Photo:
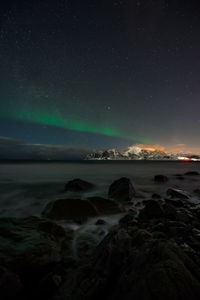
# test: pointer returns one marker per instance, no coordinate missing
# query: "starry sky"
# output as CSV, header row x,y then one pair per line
x,y
100,74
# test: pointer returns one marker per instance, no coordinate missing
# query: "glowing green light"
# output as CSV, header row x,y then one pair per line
x,y
40,116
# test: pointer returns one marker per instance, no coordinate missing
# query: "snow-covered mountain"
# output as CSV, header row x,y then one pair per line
x,y
137,153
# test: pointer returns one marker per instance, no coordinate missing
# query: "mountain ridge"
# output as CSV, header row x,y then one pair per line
x,y
137,153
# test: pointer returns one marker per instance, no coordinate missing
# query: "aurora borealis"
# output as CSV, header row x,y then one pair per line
x,y
100,74
49,118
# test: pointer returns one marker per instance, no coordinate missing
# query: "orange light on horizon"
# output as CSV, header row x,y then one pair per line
x,y
148,147
184,158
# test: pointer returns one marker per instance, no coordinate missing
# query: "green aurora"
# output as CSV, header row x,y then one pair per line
x,y
44,117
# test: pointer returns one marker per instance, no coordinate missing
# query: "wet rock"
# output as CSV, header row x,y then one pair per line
x,y
10,284
29,243
126,220
78,185
197,192
70,209
104,206
159,235
48,285
86,243
177,193
192,173
175,202
177,230
184,216
100,222
30,247
135,265
155,196
160,178
122,190
151,210
170,212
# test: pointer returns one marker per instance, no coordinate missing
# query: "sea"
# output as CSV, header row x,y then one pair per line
x,y
26,187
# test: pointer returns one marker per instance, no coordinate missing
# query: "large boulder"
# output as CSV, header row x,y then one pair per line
x,y
132,264
78,185
197,192
160,178
122,190
70,209
104,206
192,173
10,284
80,210
177,194
29,249
152,209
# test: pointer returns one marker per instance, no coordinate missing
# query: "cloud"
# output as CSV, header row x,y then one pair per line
x,y
16,149
151,147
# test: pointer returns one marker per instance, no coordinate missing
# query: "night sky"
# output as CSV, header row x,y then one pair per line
x,y
85,74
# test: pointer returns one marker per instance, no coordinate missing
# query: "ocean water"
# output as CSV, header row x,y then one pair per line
x,y
26,187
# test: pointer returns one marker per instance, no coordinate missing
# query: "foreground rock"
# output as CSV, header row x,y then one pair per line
x,y
122,190
80,210
154,257
30,249
104,206
178,193
78,185
151,210
160,178
70,209
192,173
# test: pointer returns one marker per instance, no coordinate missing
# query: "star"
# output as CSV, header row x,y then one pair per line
x,y
108,107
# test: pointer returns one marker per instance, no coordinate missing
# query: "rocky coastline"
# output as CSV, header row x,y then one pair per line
x,y
153,252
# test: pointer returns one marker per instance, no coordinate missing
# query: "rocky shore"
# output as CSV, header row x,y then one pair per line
x,y
152,253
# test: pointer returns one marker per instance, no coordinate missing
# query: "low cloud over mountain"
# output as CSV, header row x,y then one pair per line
x,y
16,149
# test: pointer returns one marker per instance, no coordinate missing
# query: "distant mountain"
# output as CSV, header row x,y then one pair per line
x,y
137,153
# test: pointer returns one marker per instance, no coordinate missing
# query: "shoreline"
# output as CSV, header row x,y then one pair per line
x,y
105,234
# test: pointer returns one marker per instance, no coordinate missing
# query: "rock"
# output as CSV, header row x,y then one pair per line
x,y
29,242
30,247
179,177
122,190
170,212
70,209
10,284
100,222
155,196
85,244
192,173
159,235
160,178
134,264
126,220
177,193
175,202
184,216
104,206
197,192
151,210
80,210
78,185
48,285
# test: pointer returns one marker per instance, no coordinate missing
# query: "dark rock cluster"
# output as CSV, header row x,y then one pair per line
x,y
153,253
153,256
